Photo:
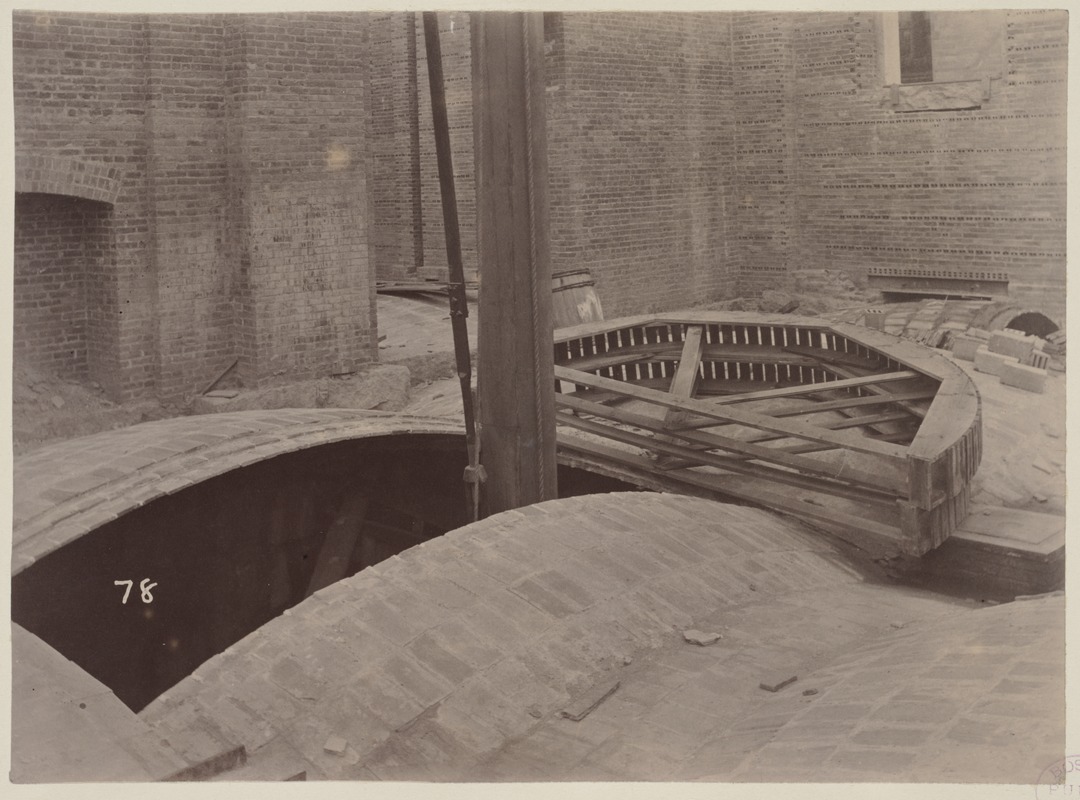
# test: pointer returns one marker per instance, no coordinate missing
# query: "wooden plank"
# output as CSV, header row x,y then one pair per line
x,y
909,407
689,458
842,424
827,356
640,468
624,355
772,455
337,547
686,376
819,407
812,388
889,452
744,353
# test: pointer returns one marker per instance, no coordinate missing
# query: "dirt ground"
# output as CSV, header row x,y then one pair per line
x,y
45,408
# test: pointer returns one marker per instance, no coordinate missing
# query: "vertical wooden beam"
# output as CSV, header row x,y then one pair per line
x,y
516,352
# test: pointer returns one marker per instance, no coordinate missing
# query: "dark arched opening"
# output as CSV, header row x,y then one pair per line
x,y
63,259
231,553
1032,323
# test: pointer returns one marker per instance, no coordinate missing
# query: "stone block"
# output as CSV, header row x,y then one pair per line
x,y
965,347
990,362
384,387
1011,343
1021,376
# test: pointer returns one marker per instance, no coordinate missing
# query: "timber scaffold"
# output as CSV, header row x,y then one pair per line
x,y
872,437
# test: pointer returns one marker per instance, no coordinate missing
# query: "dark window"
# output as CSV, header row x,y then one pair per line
x,y
916,60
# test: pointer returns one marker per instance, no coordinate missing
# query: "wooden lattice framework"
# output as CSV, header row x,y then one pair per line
x,y
870,436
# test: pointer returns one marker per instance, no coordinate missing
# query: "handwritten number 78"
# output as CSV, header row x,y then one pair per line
x,y
144,588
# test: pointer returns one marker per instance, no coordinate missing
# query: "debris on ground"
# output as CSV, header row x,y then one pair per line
x,y
581,707
778,682
47,408
694,636
335,745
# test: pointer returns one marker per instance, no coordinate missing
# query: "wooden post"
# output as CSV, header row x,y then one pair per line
x,y
516,361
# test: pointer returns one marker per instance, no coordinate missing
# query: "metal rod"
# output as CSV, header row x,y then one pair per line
x,y
456,287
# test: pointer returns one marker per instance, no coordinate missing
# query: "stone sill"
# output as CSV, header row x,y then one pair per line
x,y
942,96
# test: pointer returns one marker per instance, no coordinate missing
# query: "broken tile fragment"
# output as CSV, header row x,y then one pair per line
x,y
778,682
580,708
335,745
697,637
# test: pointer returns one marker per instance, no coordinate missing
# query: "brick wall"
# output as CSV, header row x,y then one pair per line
x,y
298,163
80,94
261,168
640,159
187,183
762,217
974,189
640,156
55,269
455,41
695,156
233,152
396,218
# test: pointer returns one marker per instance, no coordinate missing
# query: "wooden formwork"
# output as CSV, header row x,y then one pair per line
x,y
874,437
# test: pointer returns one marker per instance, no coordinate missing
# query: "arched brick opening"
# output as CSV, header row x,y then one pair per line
x,y
1033,323
35,173
64,262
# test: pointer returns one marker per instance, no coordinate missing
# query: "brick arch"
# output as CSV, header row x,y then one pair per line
x,y
74,177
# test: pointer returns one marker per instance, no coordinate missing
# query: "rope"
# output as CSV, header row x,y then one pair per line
x,y
537,333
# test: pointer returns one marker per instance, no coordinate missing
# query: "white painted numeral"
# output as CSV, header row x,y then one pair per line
x,y
144,587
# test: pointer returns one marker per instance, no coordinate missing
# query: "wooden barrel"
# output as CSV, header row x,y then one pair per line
x,y
574,299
